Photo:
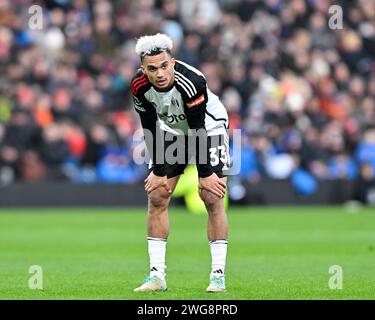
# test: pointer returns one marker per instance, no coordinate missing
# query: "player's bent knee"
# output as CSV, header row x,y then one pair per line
x,y
208,198
159,197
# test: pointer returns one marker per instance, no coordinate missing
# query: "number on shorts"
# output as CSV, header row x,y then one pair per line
x,y
217,152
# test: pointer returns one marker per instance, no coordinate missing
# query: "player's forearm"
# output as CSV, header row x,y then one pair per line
x,y
202,155
196,120
152,135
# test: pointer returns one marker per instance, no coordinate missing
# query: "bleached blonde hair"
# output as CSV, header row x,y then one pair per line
x,y
153,44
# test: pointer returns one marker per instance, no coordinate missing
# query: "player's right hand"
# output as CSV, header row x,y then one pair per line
x,y
152,182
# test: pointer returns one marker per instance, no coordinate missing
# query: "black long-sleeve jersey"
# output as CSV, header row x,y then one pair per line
x,y
189,104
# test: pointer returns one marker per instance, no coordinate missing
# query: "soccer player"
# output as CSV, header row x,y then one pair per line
x,y
173,101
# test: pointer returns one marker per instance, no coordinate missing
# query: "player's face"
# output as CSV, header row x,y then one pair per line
x,y
159,70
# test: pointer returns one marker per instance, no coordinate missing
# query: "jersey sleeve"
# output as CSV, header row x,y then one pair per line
x,y
148,117
195,108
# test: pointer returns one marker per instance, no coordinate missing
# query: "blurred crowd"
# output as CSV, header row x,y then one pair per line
x,y
301,90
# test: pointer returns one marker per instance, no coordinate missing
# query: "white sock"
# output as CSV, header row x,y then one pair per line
x,y
218,256
156,252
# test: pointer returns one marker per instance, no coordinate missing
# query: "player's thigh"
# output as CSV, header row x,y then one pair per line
x,y
172,182
218,147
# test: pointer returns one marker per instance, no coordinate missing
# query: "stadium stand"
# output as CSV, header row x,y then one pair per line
x,y
302,93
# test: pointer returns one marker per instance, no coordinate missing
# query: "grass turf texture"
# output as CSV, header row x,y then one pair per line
x,y
274,253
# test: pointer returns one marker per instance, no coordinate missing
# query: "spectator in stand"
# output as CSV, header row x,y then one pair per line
x,y
54,151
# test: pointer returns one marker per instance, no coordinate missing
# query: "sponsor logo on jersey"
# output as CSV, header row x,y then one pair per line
x,y
172,118
197,101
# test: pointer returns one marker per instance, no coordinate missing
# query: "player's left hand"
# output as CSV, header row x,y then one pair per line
x,y
213,184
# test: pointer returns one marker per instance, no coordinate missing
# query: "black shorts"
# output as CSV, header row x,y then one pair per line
x,y
218,154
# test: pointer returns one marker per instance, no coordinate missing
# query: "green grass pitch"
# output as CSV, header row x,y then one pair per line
x,y
273,253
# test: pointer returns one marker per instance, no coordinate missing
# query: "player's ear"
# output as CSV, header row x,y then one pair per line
x,y
143,69
173,61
